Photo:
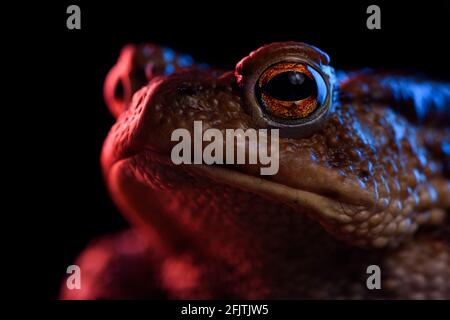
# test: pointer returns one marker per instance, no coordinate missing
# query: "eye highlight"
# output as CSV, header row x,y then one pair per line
x,y
290,91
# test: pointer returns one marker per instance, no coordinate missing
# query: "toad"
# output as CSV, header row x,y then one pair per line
x,y
363,180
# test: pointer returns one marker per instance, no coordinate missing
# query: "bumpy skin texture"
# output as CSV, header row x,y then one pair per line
x,y
370,186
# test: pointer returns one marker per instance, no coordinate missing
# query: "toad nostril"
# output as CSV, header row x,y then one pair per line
x,y
119,90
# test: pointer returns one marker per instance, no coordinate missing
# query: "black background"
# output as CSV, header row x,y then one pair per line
x,y
69,66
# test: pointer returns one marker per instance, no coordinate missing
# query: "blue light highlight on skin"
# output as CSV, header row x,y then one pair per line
x,y
361,183
341,75
168,54
363,134
446,147
428,98
432,193
169,69
369,165
417,176
185,61
422,158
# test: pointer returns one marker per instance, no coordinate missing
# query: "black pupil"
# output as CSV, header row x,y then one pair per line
x,y
290,86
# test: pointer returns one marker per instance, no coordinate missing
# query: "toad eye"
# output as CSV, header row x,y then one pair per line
x,y
289,86
290,91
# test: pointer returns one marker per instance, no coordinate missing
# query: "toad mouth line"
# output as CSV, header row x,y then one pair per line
x,y
326,204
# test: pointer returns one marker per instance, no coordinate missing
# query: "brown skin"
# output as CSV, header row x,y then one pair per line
x,y
367,187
